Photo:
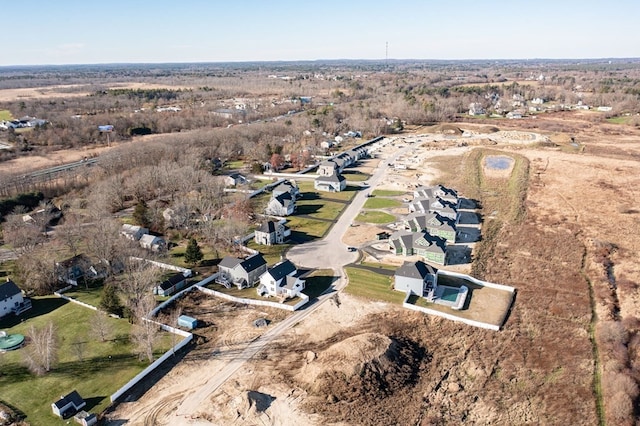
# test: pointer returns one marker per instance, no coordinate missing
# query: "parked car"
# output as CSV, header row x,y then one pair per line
x,y
352,249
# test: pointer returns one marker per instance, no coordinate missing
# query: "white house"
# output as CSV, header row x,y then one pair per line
x,y
333,183
234,179
281,281
11,299
133,232
328,168
476,109
151,242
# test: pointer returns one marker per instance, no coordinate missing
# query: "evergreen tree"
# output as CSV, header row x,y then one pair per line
x,y
110,301
141,214
193,254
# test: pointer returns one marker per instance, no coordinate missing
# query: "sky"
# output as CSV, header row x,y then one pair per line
x,y
43,32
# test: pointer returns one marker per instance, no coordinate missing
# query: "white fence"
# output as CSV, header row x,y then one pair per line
x,y
165,265
140,376
304,301
448,316
476,281
62,296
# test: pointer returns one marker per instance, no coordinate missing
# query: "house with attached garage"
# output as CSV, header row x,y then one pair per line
x,y
431,192
333,183
429,247
133,232
76,268
271,232
68,405
433,223
171,285
234,179
11,299
281,205
286,187
241,272
281,281
152,242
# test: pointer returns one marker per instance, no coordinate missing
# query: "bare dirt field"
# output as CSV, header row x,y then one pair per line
x,y
71,90
361,363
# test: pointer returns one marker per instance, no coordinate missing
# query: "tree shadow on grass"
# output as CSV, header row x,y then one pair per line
x,y
308,208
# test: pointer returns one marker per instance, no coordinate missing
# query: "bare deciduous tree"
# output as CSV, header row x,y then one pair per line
x,y
145,332
37,271
23,236
42,352
100,326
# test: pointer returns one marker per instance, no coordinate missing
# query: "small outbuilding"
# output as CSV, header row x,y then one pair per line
x,y
68,405
187,322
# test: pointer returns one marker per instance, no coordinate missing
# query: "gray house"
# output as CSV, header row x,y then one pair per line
x,y
333,183
241,272
172,284
271,232
433,223
423,244
436,191
417,277
328,168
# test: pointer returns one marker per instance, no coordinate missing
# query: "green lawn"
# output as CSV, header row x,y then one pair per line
x,y
373,216
381,203
346,195
90,296
270,253
367,284
355,176
380,266
5,115
388,193
619,120
319,208
104,368
176,255
312,228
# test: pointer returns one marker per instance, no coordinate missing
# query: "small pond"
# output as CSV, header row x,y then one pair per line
x,y
498,162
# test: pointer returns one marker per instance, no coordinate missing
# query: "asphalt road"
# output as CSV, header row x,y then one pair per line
x,y
328,253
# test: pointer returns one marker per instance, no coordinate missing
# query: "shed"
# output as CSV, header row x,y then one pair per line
x,y
68,405
187,322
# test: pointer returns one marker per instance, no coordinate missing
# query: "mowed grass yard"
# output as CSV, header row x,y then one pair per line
x,y
374,216
373,286
381,203
5,115
102,368
320,208
387,193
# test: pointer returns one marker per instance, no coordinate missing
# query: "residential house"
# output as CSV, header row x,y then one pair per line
x,y
476,109
444,208
328,168
418,278
423,244
11,299
333,183
281,205
235,179
433,223
133,232
241,272
68,405
75,268
271,232
515,114
281,281
435,191
286,187
152,242
172,284
419,205
86,419
326,144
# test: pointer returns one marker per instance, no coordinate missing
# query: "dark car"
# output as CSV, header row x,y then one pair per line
x,y
352,249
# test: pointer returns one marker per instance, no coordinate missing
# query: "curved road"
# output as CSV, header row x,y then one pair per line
x,y
328,253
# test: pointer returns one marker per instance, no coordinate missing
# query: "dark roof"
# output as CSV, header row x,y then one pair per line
x,y
172,280
268,227
331,178
73,397
282,269
229,262
75,260
8,289
253,262
284,199
417,270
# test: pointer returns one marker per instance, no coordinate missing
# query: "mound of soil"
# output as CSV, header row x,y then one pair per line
x,y
447,129
362,366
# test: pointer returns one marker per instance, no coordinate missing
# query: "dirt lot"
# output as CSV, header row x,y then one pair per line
x,y
355,363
